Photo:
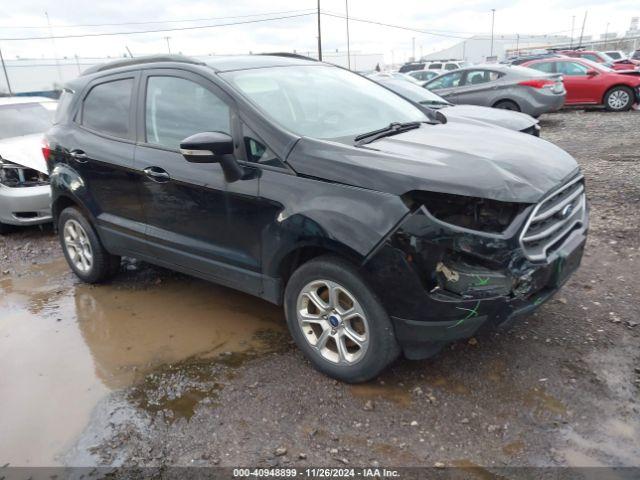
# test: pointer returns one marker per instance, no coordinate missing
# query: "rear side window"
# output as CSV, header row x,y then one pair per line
x,y
435,66
449,80
177,108
475,77
106,108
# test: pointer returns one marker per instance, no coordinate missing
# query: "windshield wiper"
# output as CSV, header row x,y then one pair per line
x,y
392,129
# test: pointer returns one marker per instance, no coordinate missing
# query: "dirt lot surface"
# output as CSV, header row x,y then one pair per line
x,y
156,368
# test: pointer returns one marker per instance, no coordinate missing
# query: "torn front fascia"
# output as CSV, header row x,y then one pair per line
x,y
471,265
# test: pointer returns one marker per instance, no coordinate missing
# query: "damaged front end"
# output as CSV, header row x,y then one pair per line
x,y
457,264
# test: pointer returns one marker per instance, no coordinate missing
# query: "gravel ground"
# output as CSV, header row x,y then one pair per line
x,y
560,388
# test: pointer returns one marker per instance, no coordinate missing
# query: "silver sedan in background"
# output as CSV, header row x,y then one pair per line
x,y
492,116
25,196
502,86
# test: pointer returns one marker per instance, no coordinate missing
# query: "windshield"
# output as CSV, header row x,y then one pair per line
x,y
23,119
413,92
596,66
322,102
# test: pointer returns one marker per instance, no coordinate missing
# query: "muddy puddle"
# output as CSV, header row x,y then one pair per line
x,y
65,345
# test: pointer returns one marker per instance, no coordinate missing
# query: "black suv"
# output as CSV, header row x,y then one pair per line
x,y
381,226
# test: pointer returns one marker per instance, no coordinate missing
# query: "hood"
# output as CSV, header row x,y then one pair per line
x,y
495,116
25,151
457,157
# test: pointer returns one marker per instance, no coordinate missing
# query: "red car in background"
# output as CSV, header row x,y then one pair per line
x,y
602,58
590,83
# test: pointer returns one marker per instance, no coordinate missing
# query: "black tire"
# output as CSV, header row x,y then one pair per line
x,y
103,265
507,105
382,346
4,228
614,99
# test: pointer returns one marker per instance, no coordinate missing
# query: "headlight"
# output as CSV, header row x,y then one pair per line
x,y
474,213
14,175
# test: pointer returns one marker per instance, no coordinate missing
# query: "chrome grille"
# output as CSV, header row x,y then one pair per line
x,y
553,220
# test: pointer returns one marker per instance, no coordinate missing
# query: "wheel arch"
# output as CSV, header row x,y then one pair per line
x,y
506,99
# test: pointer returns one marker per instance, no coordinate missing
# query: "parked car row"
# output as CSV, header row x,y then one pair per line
x,y
564,78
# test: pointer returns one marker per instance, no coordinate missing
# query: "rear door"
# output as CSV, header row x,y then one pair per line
x,y
100,147
478,87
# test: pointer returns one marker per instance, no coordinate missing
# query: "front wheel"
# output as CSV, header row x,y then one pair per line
x,y
618,99
82,248
337,321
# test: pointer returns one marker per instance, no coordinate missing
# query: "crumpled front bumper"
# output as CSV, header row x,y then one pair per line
x,y
25,205
441,284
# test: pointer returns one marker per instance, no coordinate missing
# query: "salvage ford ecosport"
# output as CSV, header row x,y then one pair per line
x,y
381,226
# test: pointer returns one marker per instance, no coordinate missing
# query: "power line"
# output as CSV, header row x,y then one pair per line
x,y
151,22
160,30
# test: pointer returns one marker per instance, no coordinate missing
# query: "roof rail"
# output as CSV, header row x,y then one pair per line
x,y
126,62
290,55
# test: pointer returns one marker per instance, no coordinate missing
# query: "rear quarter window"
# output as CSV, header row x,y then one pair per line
x,y
64,102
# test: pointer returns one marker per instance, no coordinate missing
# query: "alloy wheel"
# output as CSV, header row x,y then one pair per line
x,y
618,99
333,322
78,246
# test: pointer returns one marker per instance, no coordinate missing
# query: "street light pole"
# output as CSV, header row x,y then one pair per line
x,y
606,36
493,17
346,6
319,35
573,22
413,48
168,45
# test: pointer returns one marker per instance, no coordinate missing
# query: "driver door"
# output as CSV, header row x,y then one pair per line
x,y
193,216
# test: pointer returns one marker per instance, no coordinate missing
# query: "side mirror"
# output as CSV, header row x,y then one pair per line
x,y
213,147
206,147
591,72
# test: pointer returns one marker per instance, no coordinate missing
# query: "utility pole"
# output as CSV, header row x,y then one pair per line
x,y
168,45
518,44
493,17
346,6
584,20
413,48
6,75
464,48
573,22
319,35
77,63
55,50
606,36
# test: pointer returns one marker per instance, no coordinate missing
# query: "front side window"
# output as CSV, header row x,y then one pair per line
x,y
451,66
177,108
546,67
320,101
106,108
571,68
449,80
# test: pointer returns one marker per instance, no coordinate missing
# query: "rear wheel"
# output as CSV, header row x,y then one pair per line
x,y
82,248
618,99
507,105
337,321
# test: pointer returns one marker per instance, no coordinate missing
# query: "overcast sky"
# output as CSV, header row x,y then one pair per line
x,y
455,18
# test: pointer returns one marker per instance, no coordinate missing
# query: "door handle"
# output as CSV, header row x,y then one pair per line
x,y
157,174
79,156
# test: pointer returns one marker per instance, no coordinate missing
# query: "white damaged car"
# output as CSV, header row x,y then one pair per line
x,y
25,196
